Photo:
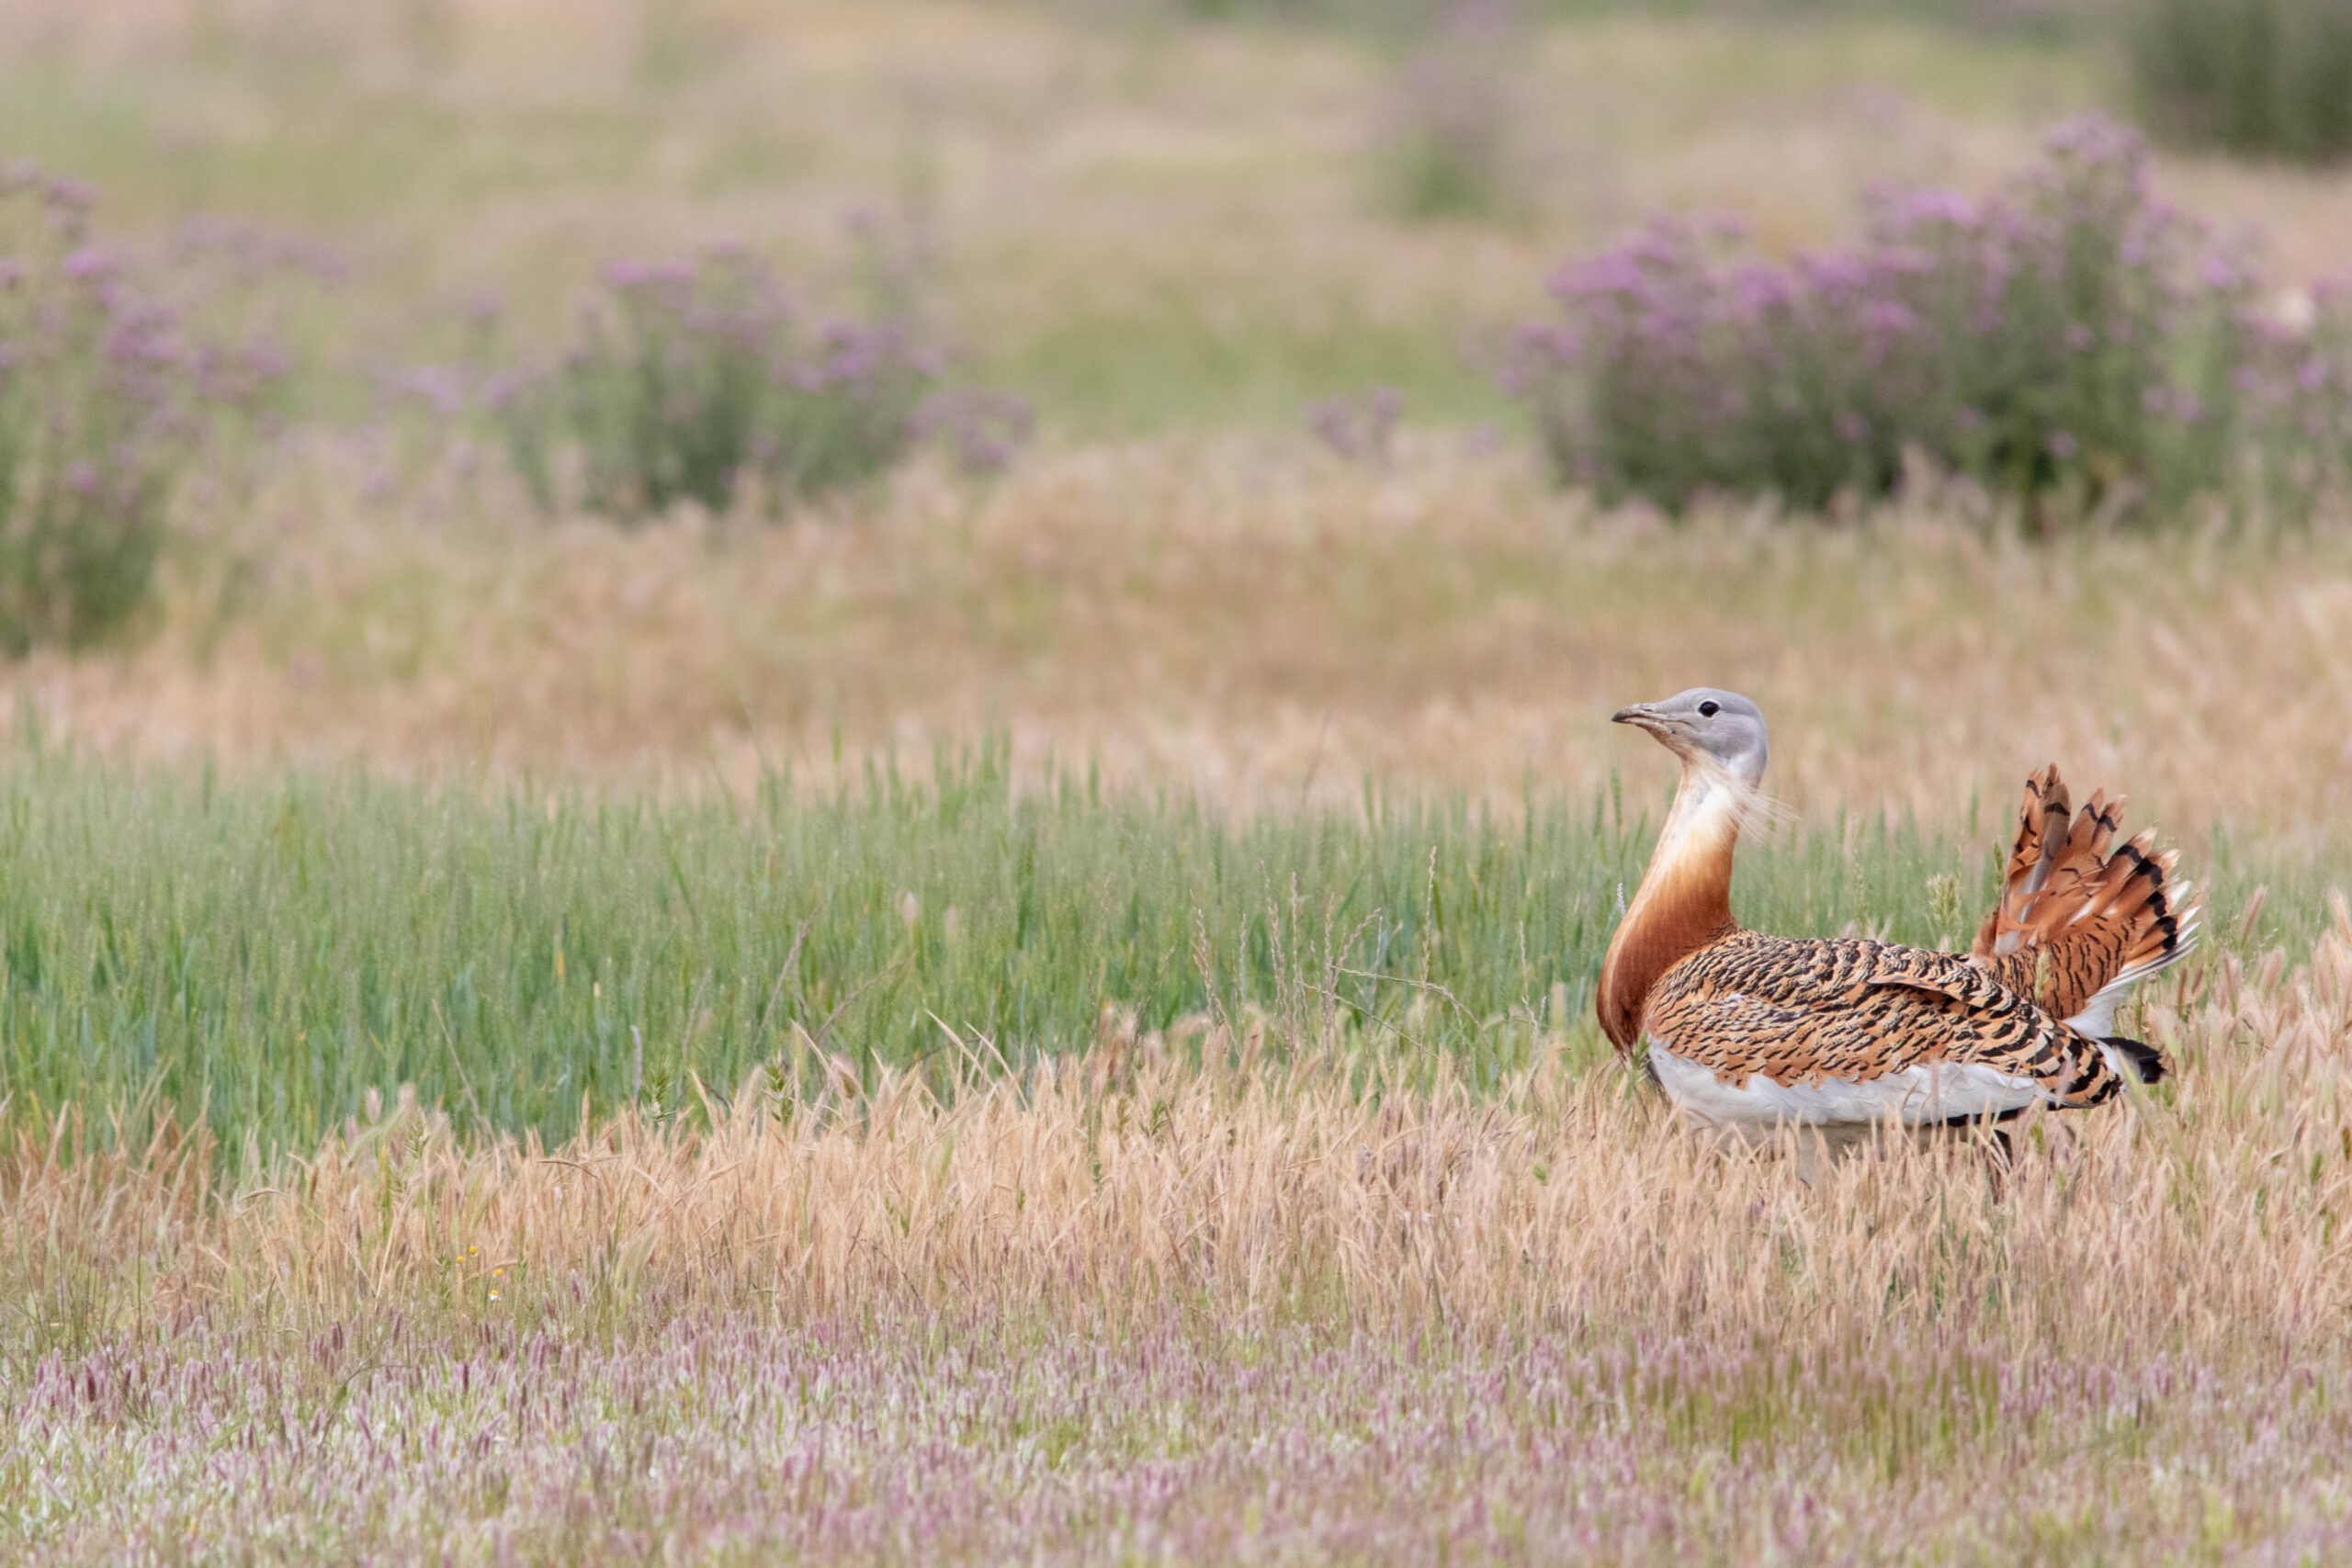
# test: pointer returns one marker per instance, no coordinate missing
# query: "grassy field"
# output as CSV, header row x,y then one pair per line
x,y
1252,627
263,960
1046,1016
1139,224
1324,1308
941,1170
1164,235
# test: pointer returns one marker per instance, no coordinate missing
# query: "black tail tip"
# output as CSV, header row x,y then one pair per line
x,y
2148,1062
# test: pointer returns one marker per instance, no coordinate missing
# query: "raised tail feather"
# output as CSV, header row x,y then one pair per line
x,y
2077,924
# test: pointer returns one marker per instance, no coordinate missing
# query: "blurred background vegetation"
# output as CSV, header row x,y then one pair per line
x,y
1138,215
969,289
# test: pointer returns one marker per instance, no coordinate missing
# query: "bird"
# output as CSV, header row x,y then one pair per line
x,y
1748,1032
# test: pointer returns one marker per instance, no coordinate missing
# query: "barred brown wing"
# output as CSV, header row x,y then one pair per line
x,y
1854,1011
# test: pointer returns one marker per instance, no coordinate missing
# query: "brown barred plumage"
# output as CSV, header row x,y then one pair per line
x,y
1744,1028
2074,918
1852,1011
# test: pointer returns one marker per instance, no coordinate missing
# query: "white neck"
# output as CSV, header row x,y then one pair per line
x,y
1684,903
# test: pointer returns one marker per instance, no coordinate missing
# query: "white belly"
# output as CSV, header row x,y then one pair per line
x,y
1915,1096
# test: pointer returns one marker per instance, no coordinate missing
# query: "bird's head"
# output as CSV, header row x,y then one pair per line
x,y
1703,724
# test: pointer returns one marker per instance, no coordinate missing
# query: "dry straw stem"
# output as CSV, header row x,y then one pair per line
x,y
2204,1219
1263,625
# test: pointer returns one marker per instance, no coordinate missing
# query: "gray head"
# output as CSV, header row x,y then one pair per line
x,y
1702,722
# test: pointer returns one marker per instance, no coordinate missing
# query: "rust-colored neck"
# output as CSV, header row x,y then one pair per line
x,y
1684,903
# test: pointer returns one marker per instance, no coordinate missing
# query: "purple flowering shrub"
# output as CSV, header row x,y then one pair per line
x,y
2298,383
105,393
1362,429
687,378
2068,334
981,427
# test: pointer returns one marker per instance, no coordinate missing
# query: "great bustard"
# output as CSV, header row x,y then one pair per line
x,y
1747,1032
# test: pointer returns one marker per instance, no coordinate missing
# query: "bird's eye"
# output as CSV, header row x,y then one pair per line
x,y
1709,709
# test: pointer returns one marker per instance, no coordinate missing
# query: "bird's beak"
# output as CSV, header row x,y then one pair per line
x,y
1661,727
1642,715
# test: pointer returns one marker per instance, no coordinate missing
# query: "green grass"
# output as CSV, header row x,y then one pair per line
x,y
1111,376
259,955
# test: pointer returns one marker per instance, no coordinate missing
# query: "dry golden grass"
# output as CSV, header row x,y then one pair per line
x,y
2202,1217
1239,1310
1258,623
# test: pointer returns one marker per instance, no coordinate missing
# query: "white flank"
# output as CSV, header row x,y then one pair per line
x,y
1915,1096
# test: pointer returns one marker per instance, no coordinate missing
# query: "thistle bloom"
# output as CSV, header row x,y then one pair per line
x,y
1987,335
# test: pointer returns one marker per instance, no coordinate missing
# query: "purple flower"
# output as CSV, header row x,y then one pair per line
x,y
265,360
685,376
71,196
1362,428
1901,212
984,428
642,273
440,387
502,389
1675,368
